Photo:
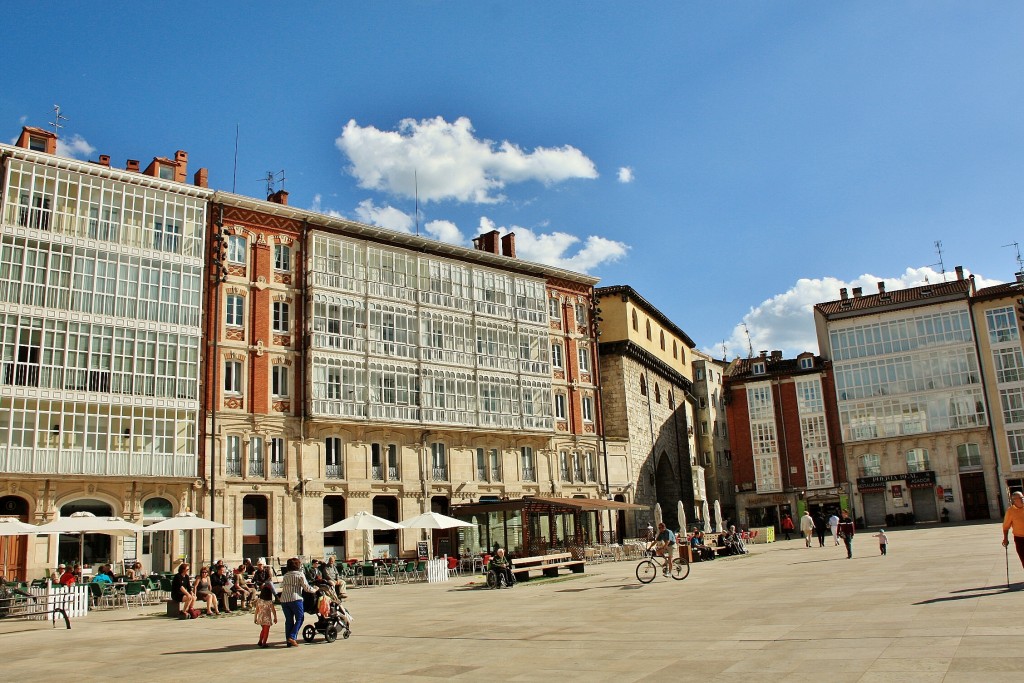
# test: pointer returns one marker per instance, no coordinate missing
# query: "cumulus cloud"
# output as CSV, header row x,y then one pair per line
x,y
75,147
625,174
555,248
445,231
318,207
445,160
384,216
786,321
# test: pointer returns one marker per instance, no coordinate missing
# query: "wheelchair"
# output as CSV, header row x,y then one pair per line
x,y
492,580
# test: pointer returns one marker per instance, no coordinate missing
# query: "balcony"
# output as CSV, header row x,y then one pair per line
x,y
277,469
392,473
376,473
529,474
103,463
481,474
563,474
439,474
256,467
233,468
334,472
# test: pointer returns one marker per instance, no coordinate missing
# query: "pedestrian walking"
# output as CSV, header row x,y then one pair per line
x,y
846,531
833,525
807,527
1015,518
292,586
821,526
787,525
265,613
883,540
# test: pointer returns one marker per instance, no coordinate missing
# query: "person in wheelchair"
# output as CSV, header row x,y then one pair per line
x,y
501,567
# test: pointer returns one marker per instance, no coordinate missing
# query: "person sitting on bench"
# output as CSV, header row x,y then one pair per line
x,y
502,569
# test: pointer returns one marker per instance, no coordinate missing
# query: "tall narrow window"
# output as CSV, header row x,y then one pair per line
x,y
232,377
554,308
526,463
587,408
332,456
376,466
236,249
277,457
581,315
556,355
563,465
279,380
643,385
233,456
235,315
282,257
392,462
438,461
584,358
281,317
481,464
560,406
495,464
636,323
662,334
256,457
648,330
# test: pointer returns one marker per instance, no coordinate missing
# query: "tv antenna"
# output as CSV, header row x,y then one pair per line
x,y
57,118
416,185
725,350
940,264
1020,262
750,347
272,179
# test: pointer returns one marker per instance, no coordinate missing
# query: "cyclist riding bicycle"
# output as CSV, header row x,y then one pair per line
x,y
665,545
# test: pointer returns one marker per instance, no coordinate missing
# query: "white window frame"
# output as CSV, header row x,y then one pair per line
x,y
282,257
233,377
234,311
281,317
237,248
279,381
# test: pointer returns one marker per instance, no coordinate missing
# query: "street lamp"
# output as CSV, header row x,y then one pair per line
x,y
218,276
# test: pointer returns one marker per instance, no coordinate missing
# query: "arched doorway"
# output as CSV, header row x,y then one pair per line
x,y
156,547
14,549
668,494
96,549
386,507
620,521
254,527
334,543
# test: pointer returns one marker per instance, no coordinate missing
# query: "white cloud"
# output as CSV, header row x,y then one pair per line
x,y
76,147
442,160
445,231
552,248
384,216
786,321
626,174
317,206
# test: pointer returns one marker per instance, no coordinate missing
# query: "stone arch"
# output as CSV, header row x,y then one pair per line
x,y
667,490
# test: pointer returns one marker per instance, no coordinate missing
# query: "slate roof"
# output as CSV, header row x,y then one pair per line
x,y
943,291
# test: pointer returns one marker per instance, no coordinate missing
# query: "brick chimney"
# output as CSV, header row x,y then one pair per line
x,y
132,165
959,272
508,245
488,242
842,293
201,178
857,291
279,197
881,288
181,166
776,356
104,160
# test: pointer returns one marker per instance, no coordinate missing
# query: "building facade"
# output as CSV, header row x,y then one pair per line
x,y
100,296
649,408
367,370
712,429
783,431
911,401
997,313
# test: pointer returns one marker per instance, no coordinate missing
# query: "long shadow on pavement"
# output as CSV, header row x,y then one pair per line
x,y
970,593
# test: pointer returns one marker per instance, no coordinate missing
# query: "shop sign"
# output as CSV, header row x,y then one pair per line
x,y
914,480
897,495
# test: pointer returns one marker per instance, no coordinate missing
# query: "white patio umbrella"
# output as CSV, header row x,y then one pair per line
x,y
12,526
434,520
365,522
83,523
657,514
718,517
681,514
184,521
707,517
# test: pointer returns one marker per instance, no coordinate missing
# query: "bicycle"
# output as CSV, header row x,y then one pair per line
x,y
647,568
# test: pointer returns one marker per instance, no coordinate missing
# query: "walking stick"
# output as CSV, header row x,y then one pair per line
x,y
1006,548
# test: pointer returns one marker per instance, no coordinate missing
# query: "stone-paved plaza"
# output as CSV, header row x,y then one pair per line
x,y
935,609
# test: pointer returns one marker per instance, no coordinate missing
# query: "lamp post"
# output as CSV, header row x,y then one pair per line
x,y
595,333
218,276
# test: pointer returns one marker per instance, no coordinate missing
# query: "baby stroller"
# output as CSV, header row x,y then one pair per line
x,y
332,617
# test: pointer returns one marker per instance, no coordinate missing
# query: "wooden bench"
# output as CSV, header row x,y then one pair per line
x,y
547,564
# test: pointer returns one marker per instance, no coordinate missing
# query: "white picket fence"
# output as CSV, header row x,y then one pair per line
x,y
72,599
437,569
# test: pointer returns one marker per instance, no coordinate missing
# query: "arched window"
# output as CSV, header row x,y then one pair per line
x,y
636,323
675,351
662,334
643,385
657,393
648,330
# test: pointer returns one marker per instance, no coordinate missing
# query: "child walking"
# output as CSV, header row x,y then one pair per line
x,y
266,613
883,540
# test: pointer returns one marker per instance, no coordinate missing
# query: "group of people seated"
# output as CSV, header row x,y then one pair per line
x,y
733,543
698,548
215,586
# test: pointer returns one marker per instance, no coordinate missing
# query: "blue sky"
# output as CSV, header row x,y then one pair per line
x,y
733,162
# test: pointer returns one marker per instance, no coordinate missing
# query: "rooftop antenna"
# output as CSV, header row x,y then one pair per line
x,y
940,264
281,178
416,184
234,171
269,180
57,118
1020,261
725,350
750,347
